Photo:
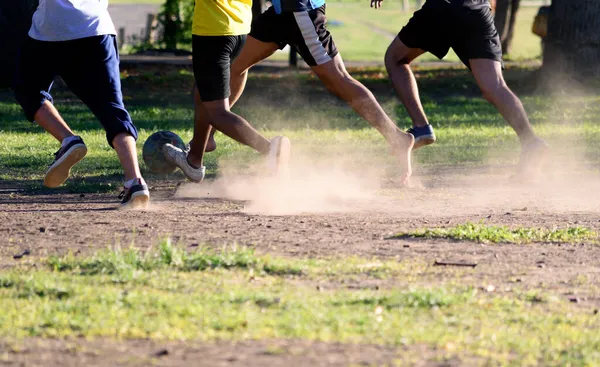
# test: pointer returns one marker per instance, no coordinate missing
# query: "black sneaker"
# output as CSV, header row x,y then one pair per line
x,y
65,158
424,135
135,197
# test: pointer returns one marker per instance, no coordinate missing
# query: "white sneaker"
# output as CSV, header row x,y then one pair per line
x,y
178,157
279,156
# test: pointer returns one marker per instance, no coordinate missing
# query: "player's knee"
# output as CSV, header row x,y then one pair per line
x,y
394,58
117,121
493,91
30,101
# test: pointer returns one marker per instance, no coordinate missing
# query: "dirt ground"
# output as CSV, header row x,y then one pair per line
x,y
318,221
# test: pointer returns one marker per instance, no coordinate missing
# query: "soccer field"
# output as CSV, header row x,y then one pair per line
x,y
340,267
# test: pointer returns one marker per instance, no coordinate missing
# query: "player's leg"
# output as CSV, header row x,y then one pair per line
x,y
253,52
488,74
425,32
397,62
334,76
259,45
212,74
314,43
32,84
480,49
202,128
93,75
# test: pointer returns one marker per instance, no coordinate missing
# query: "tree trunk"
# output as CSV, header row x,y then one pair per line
x,y
505,18
507,40
15,20
572,47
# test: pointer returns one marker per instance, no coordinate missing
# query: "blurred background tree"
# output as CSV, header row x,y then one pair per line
x,y
505,18
573,44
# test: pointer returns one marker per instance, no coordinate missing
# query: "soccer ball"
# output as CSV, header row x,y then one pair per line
x,y
153,155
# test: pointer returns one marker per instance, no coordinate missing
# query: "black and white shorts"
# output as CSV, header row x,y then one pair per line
x,y
305,31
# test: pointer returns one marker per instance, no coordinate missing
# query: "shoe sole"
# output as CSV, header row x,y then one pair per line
x,y
279,155
423,141
58,173
138,201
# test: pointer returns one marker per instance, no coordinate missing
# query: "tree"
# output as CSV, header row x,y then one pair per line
x,y
505,18
573,43
15,20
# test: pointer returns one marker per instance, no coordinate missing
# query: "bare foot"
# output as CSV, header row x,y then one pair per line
x,y
402,149
534,154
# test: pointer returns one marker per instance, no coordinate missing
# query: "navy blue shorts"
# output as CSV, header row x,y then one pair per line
x,y
89,67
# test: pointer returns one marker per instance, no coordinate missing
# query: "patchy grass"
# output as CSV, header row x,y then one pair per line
x,y
124,263
495,234
470,130
234,294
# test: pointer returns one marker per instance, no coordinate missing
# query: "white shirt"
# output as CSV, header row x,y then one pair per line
x,y
64,20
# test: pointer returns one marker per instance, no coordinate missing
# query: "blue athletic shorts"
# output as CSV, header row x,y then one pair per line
x,y
90,68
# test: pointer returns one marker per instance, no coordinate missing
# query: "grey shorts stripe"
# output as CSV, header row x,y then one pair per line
x,y
311,38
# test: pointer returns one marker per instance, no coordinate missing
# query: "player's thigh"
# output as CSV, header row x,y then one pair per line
x,y
488,75
34,75
308,34
427,30
253,52
92,73
212,64
476,36
398,51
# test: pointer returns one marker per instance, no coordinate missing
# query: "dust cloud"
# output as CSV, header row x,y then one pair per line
x,y
334,186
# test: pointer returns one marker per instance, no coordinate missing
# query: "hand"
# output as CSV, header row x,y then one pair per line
x,y
376,4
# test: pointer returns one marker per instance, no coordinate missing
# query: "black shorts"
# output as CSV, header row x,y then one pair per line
x,y
470,32
213,56
305,31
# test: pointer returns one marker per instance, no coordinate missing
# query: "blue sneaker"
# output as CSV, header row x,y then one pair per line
x,y
423,135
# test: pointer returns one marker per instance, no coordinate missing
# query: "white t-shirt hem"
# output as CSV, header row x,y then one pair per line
x,y
69,37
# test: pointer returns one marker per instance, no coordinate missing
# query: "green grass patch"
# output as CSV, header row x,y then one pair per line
x,y
502,234
163,294
470,131
125,263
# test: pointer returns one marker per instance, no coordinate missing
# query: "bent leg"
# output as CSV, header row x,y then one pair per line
x,y
93,75
32,83
253,52
397,62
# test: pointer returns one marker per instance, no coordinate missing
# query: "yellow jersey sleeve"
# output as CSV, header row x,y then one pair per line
x,y
222,17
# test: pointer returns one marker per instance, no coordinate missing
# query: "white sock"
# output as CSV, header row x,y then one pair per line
x,y
66,141
134,181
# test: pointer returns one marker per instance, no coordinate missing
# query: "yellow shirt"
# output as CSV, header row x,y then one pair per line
x,y
222,17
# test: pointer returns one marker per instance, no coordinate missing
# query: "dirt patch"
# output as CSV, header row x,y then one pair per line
x,y
41,352
358,223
